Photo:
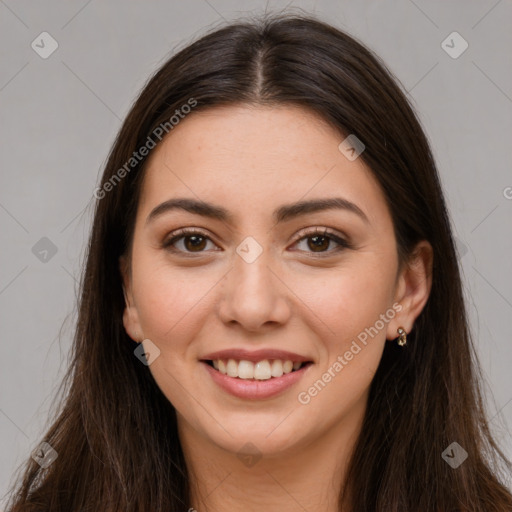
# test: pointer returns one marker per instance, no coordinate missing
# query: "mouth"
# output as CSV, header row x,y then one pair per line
x,y
263,370
258,375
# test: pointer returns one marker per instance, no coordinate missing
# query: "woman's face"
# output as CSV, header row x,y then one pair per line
x,y
263,276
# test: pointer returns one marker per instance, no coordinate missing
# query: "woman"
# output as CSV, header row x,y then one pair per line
x,y
271,314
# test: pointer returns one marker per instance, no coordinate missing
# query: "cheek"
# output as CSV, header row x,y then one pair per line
x,y
171,306
349,299
168,300
351,305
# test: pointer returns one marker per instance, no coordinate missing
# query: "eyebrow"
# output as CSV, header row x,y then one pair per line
x,y
283,213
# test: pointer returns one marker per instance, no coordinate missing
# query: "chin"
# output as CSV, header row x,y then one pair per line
x,y
264,434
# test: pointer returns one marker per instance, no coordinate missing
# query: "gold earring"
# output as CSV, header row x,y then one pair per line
x,y
402,336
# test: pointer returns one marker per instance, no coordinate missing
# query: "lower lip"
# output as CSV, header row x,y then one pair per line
x,y
256,389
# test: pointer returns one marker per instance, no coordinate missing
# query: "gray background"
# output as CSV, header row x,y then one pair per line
x,y
60,116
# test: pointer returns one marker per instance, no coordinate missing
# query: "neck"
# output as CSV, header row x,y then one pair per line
x,y
306,477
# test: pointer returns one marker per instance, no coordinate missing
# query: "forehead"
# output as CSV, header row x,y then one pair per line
x,y
254,157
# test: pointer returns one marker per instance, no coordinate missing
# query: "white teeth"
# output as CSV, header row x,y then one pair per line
x,y
232,368
246,370
262,370
277,368
287,366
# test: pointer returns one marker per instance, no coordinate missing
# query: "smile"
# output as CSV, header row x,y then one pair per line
x,y
261,370
257,379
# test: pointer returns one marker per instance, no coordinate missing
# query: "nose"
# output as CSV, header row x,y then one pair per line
x,y
254,295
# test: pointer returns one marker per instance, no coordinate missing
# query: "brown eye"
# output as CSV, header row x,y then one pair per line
x,y
194,242
319,241
187,241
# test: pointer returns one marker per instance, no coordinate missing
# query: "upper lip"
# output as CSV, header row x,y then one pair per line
x,y
240,354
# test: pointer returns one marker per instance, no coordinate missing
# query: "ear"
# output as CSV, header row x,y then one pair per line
x,y
130,314
413,289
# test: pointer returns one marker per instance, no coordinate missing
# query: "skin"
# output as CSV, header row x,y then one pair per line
x,y
252,160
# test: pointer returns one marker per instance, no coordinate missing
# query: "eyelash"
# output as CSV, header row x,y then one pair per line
x,y
324,232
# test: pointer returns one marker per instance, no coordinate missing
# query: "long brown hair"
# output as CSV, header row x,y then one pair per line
x,y
116,434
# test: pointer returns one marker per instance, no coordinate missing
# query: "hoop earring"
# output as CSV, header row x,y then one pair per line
x,y
402,336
